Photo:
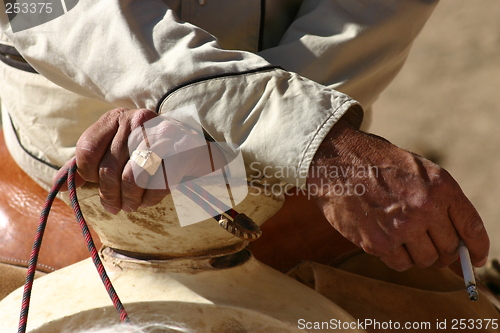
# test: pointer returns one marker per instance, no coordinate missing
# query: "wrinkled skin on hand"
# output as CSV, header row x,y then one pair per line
x,y
103,156
401,207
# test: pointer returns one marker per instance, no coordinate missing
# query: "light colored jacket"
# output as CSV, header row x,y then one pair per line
x,y
270,76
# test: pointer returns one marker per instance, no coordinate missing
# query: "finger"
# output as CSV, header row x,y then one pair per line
x,y
111,168
140,189
399,260
470,228
445,239
94,142
116,157
422,251
133,185
157,188
377,242
159,136
62,171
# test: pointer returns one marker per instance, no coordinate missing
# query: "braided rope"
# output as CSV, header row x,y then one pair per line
x,y
196,193
30,276
91,246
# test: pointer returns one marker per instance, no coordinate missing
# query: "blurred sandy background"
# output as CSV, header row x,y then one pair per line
x,y
445,103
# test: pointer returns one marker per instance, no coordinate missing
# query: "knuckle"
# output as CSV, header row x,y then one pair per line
x,y
440,178
439,174
426,205
141,116
113,115
109,175
370,248
378,248
116,113
117,117
401,230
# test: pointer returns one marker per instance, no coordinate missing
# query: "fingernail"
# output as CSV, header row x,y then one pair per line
x,y
111,209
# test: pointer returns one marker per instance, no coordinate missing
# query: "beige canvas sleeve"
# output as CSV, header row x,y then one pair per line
x,y
138,54
354,46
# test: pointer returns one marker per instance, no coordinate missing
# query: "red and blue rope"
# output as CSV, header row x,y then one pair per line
x,y
247,230
30,276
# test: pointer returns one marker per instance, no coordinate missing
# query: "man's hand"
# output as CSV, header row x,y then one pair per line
x,y
103,155
392,203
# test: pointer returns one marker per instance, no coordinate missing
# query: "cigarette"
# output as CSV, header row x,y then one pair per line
x,y
468,272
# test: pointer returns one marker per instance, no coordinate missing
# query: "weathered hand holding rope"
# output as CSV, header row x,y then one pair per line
x,y
70,178
237,224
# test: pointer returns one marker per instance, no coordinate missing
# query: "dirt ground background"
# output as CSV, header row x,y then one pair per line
x,y
445,103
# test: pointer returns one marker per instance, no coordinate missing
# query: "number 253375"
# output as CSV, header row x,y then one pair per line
x,y
28,8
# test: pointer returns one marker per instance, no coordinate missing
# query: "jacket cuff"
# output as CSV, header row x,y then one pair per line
x,y
277,118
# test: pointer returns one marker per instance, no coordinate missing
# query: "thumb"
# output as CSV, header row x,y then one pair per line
x,y
471,229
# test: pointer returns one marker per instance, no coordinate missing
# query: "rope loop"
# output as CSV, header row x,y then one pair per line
x,y
69,176
237,224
